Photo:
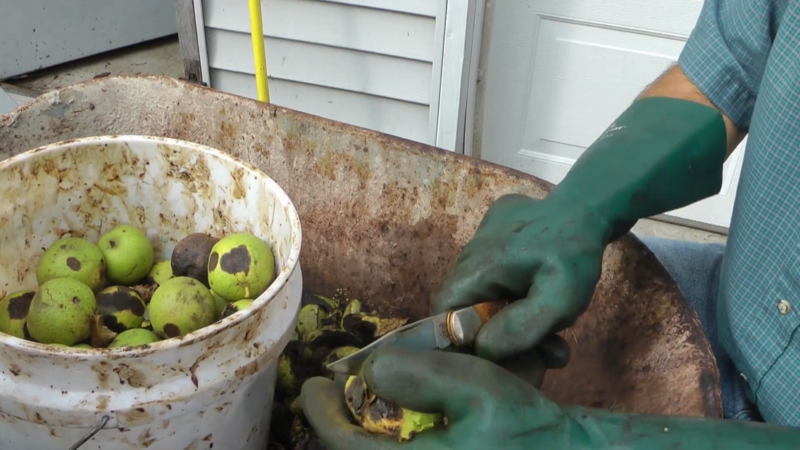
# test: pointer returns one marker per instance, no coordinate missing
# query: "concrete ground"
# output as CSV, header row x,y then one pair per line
x,y
159,57
647,227
163,57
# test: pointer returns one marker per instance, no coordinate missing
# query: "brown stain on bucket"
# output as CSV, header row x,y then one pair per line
x,y
103,371
14,369
134,417
239,190
102,402
132,376
248,370
145,438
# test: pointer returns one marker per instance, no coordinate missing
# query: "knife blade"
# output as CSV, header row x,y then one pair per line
x,y
453,328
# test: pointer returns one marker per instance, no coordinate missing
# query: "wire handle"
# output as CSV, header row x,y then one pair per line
x,y
91,434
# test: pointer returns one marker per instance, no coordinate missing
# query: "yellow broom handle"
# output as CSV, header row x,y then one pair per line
x,y
257,34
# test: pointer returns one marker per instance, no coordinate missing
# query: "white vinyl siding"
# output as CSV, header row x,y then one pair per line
x,y
371,63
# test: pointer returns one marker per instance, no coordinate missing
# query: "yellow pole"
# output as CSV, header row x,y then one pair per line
x,y
257,34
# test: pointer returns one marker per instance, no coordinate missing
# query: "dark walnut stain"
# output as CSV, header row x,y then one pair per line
x,y
26,333
112,243
113,324
366,405
19,306
121,299
237,260
212,261
172,330
74,264
76,300
381,410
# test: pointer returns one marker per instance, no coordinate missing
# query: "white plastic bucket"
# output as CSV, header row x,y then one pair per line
x,y
209,389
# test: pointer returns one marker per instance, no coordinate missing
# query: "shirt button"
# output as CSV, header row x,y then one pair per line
x,y
784,307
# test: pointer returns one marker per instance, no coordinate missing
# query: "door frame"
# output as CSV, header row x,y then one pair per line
x,y
460,61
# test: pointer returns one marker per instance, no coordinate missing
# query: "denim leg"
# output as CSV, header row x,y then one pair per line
x,y
696,269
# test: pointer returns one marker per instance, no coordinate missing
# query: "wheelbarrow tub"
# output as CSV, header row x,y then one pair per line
x,y
385,218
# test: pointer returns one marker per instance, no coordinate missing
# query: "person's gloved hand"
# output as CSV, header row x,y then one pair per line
x,y
543,252
661,154
488,407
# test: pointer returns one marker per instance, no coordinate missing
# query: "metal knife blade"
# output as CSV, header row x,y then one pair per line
x,y
457,328
426,334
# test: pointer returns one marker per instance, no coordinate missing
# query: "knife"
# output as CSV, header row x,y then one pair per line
x,y
453,328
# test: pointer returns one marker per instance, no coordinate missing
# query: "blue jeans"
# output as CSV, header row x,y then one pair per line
x,y
696,268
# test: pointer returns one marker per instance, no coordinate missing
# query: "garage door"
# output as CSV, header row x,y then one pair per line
x,y
560,71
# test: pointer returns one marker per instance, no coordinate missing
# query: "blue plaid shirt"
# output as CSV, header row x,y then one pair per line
x,y
744,55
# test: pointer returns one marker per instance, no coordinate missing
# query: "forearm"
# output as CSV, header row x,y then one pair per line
x,y
661,154
674,84
598,429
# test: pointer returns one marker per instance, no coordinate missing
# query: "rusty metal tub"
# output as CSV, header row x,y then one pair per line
x,y
385,218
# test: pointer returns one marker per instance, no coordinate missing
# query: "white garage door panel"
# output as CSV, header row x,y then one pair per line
x,y
581,73
556,81
664,16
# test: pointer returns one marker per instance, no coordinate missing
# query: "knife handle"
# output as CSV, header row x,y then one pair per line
x,y
487,310
464,324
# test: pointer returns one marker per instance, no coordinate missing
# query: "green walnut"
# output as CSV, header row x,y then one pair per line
x,y
14,312
74,258
159,273
220,302
241,266
61,312
311,318
128,253
180,306
354,307
330,305
122,308
287,381
133,338
235,307
296,407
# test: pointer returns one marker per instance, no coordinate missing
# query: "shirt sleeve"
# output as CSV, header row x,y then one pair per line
x,y
727,52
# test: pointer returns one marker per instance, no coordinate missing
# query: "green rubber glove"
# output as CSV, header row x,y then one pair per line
x,y
661,154
487,407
